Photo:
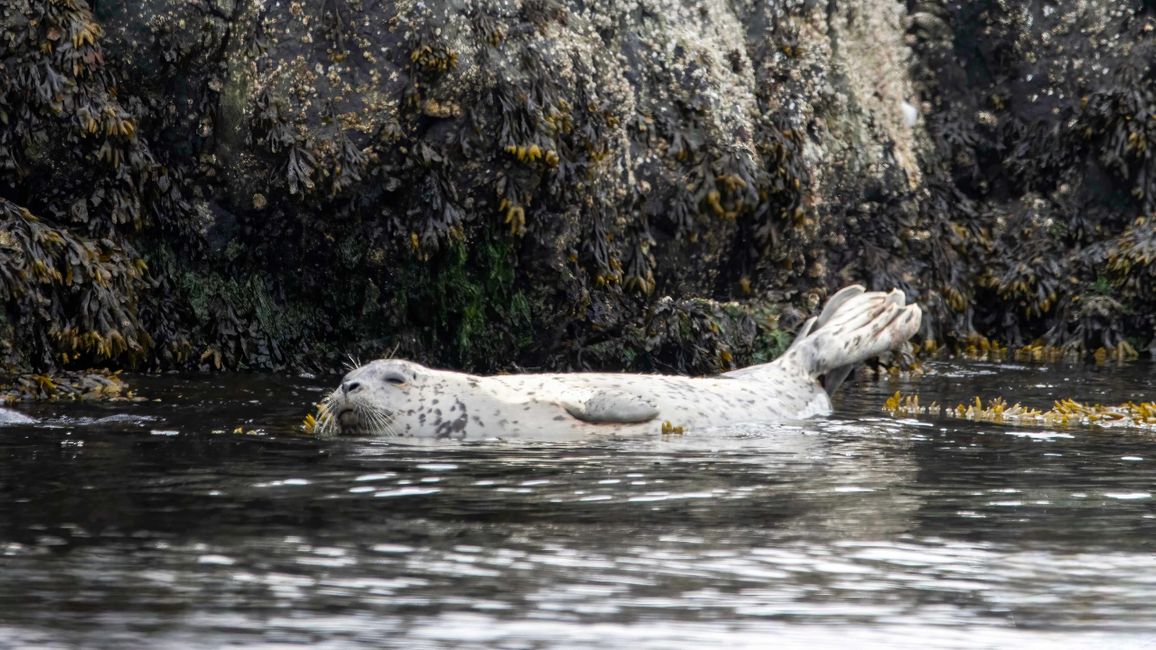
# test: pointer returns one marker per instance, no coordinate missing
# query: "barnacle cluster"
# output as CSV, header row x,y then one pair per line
x,y
1065,412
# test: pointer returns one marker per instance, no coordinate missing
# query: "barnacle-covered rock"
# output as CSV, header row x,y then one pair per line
x,y
481,182
488,184
1041,174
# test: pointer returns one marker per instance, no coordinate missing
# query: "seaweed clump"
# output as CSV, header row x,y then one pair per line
x,y
1042,172
1065,412
495,185
67,385
693,336
77,185
70,296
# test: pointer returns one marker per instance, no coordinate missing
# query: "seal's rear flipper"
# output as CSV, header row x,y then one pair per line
x,y
834,378
610,407
854,326
836,302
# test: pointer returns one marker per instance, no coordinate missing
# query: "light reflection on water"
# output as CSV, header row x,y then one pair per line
x,y
859,530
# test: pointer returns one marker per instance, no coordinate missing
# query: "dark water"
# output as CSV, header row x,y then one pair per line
x,y
136,526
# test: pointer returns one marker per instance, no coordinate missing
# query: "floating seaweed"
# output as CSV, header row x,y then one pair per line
x,y
1065,412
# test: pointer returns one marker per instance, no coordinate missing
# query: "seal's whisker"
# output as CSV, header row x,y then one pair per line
x,y
390,429
385,419
381,426
368,418
374,419
324,426
364,418
381,421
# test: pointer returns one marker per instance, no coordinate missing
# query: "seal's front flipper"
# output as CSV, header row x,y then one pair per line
x,y
611,407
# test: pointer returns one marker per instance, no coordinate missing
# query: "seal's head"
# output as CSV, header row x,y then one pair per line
x,y
369,398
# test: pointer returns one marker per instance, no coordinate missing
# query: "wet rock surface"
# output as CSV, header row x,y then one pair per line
x,y
494,184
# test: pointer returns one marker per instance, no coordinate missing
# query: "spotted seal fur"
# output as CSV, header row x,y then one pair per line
x,y
393,397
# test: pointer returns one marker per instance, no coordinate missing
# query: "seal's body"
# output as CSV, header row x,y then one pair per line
x,y
8,416
400,398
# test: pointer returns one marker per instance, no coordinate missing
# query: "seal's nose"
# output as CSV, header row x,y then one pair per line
x,y
348,387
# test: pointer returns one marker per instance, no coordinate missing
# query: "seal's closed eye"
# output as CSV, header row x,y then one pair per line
x,y
394,378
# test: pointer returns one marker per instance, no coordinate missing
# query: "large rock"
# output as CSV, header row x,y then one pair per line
x,y
1043,173
472,179
491,183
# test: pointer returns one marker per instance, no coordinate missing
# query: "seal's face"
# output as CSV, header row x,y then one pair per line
x,y
368,399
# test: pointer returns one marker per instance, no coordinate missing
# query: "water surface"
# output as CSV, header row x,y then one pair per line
x,y
153,525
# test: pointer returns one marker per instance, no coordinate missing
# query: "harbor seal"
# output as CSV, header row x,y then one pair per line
x,y
393,397
8,416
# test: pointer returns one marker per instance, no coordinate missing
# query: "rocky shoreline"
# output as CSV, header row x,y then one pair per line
x,y
489,185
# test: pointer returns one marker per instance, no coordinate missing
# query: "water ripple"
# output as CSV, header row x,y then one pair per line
x,y
857,531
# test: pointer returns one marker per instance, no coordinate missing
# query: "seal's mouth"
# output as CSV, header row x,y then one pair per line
x,y
347,419
358,418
